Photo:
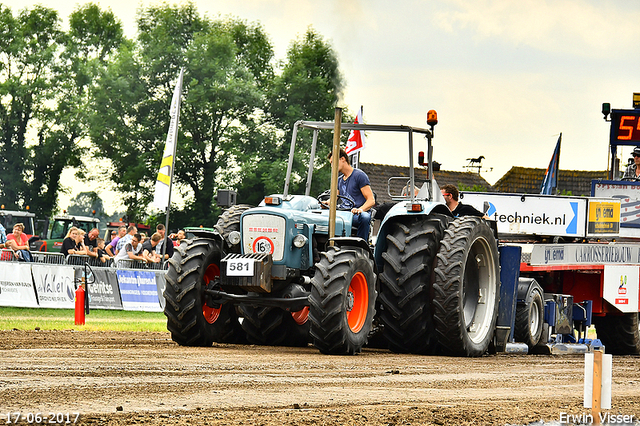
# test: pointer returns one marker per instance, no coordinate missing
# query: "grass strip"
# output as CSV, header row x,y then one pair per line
x,y
64,319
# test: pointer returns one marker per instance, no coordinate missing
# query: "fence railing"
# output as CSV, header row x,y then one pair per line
x,y
7,255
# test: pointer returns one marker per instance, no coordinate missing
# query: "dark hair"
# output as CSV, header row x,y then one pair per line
x,y
343,154
137,236
451,189
160,227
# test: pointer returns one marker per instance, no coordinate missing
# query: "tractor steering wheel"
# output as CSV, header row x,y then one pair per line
x,y
344,203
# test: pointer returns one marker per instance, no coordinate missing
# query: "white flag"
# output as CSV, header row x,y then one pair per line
x,y
162,196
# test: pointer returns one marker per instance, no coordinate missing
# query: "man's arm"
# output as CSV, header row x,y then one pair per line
x,y
370,200
108,249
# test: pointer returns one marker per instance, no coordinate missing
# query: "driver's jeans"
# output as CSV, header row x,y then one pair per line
x,y
363,222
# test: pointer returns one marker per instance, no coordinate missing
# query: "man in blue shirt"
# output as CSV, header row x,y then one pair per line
x,y
354,183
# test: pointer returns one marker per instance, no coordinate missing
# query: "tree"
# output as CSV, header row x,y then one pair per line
x,y
226,65
85,204
44,78
308,88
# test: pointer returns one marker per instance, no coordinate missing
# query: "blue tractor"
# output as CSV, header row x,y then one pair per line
x,y
275,275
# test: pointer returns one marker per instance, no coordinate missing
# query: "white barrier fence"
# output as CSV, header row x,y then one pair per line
x,y
51,281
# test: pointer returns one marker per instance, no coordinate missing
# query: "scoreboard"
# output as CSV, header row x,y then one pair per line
x,y
625,127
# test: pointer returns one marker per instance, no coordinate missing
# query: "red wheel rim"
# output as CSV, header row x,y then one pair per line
x,y
211,314
301,316
358,301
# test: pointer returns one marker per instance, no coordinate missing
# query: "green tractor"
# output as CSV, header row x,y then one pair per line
x,y
275,275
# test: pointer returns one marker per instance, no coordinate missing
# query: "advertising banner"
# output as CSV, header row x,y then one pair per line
x,y
604,217
102,285
533,214
16,286
139,290
161,283
55,286
621,287
629,195
585,254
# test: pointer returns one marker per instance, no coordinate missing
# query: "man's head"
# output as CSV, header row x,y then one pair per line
x,y
636,155
135,240
155,239
343,162
122,231
450,194
181,235
93,234
160,229
132,230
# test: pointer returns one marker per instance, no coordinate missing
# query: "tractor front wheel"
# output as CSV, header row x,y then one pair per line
x,y
342,301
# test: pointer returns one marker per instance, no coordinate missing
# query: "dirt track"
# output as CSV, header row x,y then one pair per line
x,y
127,378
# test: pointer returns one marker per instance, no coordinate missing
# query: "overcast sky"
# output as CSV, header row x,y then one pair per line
x,y
506,77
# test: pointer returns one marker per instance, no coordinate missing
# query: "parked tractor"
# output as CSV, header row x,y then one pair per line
x,y
434,278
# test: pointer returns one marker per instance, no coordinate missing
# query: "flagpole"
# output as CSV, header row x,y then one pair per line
x,y
178,90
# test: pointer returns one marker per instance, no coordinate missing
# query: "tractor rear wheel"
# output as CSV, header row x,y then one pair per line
x,y
405,285
530,317
189,319
229,221
620,334
342,300
274,326
466,287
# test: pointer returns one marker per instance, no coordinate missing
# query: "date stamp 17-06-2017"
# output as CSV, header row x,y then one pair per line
x,y
49,417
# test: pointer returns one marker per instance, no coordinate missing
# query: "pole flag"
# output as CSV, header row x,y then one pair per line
x,y
356,140
162,197
550,180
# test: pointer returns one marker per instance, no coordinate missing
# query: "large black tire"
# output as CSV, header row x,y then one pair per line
x,y
466,287
405,285
190,321
342,301
274,326
529,320
229,221
620,334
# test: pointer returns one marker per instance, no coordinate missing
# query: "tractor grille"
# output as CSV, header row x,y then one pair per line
x,y
264,233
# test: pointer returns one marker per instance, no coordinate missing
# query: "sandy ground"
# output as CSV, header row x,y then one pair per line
x,y
115,378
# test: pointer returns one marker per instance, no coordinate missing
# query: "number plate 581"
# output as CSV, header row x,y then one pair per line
x,y
240,267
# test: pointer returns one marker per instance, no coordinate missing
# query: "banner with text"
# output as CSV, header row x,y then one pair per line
x,y
102,285
139,290
55,286
16,286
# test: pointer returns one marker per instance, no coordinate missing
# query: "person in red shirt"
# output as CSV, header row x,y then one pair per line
x,y
19,243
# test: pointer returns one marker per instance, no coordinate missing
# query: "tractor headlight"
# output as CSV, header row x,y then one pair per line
x,y
299,240
234,238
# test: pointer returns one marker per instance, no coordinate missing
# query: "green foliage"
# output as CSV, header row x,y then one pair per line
x,y
45,74
475,188
85,203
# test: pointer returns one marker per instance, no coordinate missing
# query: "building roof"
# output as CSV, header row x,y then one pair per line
x,y
528,180
379,175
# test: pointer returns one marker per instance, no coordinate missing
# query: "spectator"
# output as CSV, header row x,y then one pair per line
x,y
80,247
91,242
3,236
103,256
450,194
19,243
113,235
178,237
131,251
131,231
111,247
149,248
166,241
69,242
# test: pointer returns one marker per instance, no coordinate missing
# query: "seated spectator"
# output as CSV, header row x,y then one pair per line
x,y
19,243
130,252
111,247
166,241
149,248
102,254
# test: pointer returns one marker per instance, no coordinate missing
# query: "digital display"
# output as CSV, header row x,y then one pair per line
x,y
626,126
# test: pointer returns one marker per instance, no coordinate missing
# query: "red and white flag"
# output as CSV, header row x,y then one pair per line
x,y
356,139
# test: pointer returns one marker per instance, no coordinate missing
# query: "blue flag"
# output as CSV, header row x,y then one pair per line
x,y
550,180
